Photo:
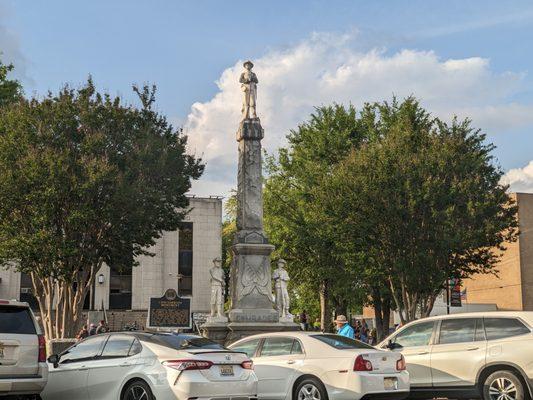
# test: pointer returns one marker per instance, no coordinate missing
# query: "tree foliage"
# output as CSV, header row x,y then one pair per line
x,y
421,204
10,90
383,205
86,180
293,206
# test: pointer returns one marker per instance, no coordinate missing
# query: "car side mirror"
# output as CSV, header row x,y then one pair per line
x,y
54,360
393,345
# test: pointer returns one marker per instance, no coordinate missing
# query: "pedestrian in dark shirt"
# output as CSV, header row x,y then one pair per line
x,y
102,327
83,333
304,324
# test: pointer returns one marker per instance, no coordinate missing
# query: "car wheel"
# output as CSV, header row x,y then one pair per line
x,y
137,390
311,389
503,385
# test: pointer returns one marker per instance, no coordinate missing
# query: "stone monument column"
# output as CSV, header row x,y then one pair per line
x,y
252,308
251,285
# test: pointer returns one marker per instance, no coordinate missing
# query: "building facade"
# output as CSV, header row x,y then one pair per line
x,y
181,261
512,287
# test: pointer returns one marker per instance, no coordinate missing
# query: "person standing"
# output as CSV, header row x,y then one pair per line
x,y
304,323
83,333
101,328
343,327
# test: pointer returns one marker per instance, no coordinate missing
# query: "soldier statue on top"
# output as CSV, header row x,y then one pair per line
x,y
249,83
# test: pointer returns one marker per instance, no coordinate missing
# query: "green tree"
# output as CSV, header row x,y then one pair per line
x,y
10,90
229,228
293,205
420,204
86,180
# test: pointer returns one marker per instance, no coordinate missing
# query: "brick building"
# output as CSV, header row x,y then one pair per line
x,y
512,289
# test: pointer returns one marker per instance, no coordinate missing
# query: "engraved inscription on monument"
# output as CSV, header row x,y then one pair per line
x,y
169,311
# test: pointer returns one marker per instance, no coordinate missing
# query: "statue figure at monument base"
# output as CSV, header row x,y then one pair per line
x,y
281,279
217,292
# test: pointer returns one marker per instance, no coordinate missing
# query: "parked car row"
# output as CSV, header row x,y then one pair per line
x,y
487,355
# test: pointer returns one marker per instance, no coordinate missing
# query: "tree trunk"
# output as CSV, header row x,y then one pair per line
x,y
325,311
341,308
378,312
61,305
386,318
382,308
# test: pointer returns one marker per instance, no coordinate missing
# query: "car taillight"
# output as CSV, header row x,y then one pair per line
x,y
400,364
187,365
42,348
361,364
247,364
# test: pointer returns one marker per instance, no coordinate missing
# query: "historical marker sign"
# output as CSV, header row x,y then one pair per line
x,y
169,311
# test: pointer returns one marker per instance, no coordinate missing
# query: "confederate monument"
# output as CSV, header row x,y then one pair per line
x,y
252,307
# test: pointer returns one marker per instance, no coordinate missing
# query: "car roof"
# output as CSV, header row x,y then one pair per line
x,y
524,315
14,303
294,334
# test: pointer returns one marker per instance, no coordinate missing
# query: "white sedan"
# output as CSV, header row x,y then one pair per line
x,y
148,366
316,366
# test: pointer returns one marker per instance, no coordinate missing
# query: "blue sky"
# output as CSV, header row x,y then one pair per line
x,y
471,58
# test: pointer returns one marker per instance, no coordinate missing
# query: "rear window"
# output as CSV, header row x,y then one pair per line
x,y
341,342
182,341
499,328
16,320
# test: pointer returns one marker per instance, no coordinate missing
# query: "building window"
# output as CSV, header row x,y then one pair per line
x,y
185,259
120,284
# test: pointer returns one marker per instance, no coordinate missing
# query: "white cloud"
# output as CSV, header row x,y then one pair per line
x,y
10,49
520,179
325,69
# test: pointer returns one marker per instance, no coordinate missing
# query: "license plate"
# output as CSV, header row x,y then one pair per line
x,y
226,370
390,383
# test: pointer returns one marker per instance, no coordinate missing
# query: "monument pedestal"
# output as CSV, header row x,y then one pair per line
x,y
251,297
216,331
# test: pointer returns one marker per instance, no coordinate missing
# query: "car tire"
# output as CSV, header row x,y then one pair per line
x,y
503,384
137,390
310,389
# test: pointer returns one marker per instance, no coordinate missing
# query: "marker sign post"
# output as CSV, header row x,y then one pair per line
x,y
169,311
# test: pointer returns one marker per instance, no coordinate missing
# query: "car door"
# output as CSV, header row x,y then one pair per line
x,y
69,379
414,342
458,352
276,365
112,366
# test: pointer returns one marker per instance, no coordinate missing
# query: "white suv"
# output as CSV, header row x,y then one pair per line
x,y
472,355
23,368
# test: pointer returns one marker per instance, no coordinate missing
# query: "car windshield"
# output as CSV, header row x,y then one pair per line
x,y
181,341
341,342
